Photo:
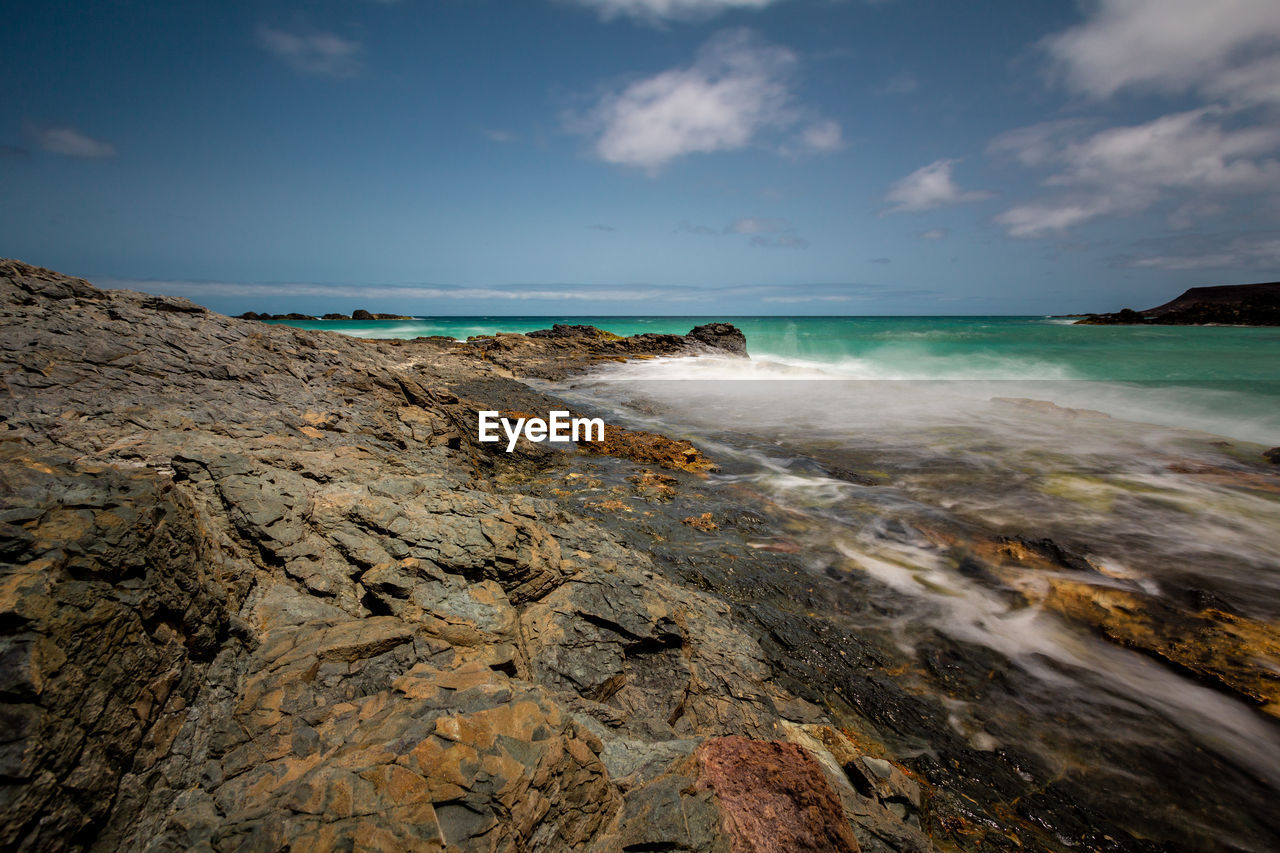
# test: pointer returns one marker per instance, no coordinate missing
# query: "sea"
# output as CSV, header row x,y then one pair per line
x,y
890,442
1219,379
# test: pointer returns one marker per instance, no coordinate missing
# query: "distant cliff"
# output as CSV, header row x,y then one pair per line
x,y
1228,305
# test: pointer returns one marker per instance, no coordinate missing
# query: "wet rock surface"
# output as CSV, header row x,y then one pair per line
x,y
263,589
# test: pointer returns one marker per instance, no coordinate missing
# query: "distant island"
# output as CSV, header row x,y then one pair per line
x,y
358,314
1227,305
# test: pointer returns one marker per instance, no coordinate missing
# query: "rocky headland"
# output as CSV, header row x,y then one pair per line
x,y
1225,305
263,589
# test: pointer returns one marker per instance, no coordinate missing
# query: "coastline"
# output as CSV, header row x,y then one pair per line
x,y
308,608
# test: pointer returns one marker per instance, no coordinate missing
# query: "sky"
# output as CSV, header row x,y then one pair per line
x,y
687,157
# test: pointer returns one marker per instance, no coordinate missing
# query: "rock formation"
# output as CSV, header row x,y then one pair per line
x,y
1226,305
259,594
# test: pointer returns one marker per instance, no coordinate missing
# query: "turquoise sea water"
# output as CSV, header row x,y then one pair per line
x,y
1219,379
931,347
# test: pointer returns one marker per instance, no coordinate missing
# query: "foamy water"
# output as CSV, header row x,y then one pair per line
x,y
1159,483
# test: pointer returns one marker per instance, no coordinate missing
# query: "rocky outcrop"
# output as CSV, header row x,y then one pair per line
x,y
260,592
1226,305
292,315
358,314
565,350
723,337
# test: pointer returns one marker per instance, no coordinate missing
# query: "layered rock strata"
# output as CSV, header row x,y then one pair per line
x,y
260,592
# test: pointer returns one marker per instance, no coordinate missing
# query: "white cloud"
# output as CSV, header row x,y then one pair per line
x,y
70,142
934,234
763,232
768,233
322,54
929,187
1037,144
1237,253
823,135
670,10
737,91
757,225
1040,218
496,135
1224,48
1126,170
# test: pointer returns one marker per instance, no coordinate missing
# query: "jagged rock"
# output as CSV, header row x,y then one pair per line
x,y
723,337
112,611
561,330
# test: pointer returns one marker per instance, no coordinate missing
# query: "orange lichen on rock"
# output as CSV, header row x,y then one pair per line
x,y
650,449
608,506
653,484
701,522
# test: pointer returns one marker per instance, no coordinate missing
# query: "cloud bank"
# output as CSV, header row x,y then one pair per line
x,y
1224,54
1222,49
1126,170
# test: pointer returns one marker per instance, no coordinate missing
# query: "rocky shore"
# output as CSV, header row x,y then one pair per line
x,y
1225,305
262,589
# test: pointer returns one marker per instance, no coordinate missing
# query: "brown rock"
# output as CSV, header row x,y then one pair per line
x,y
773,797
649,448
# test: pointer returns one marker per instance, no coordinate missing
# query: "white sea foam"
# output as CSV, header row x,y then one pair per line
x,y
947,389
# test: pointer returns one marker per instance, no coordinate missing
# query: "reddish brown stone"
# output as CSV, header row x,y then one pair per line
x,y
773,797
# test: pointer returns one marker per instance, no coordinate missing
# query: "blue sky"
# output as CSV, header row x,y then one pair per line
x,y
645,156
